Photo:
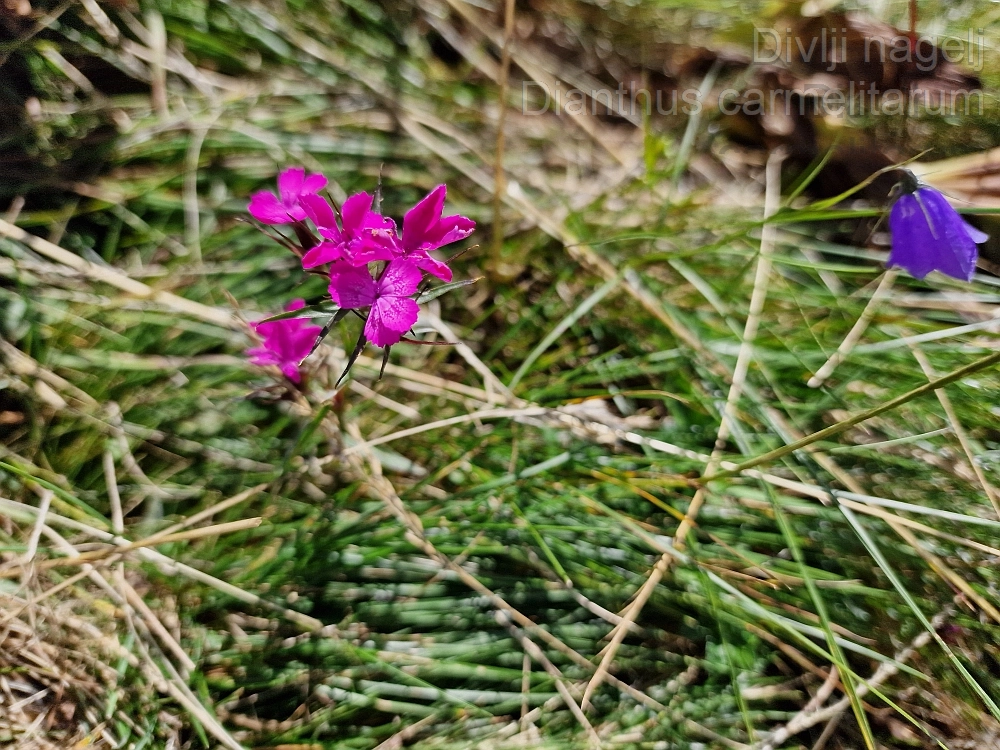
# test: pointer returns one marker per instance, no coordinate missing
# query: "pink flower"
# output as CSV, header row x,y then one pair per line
x,y
293,185
285,343
392,311
424,229
366,236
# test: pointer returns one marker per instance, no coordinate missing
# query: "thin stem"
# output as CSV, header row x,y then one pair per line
x,y
499,178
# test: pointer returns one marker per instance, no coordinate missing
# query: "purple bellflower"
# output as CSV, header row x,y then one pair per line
x,y
929,235
293,185
393,311
285,343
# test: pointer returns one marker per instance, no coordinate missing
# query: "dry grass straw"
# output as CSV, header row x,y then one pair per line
x,y
60,635
54,674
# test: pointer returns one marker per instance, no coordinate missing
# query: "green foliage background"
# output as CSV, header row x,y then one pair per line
x,y
560,518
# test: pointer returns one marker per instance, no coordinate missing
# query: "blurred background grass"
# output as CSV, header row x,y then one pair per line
x,y
133,135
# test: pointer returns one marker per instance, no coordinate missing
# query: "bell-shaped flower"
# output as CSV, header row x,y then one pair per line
x,y
929,235
361,237
424,229
285,343
393,311
285,208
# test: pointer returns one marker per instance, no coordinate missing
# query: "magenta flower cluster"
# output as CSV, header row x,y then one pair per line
x,y
371,266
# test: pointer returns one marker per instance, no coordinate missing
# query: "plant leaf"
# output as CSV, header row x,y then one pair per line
x,y
444,289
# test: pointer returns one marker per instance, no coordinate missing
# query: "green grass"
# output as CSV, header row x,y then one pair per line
x,y
618,304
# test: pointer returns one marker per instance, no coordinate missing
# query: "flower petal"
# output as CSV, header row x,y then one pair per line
x,y
265,207
452,229
270,331
290,184
312,184
431,265
324,252
354,211
300,343
957,251
912,243
421,219
389,319
351,287
321,214
977,236
380,224
370,248
261,356
401,279
291,371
